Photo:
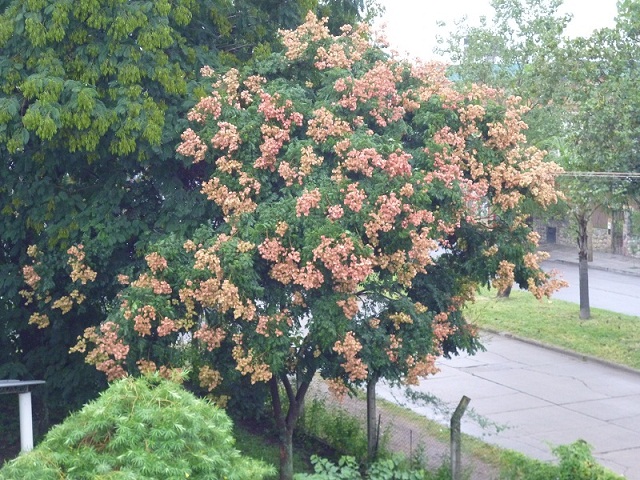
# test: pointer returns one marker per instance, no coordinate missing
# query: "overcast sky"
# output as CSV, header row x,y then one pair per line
x,y
411,24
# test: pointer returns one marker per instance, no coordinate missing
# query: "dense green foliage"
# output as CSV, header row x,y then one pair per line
x,y
93,98
145,428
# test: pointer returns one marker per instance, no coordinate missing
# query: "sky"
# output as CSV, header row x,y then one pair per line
x,y
411,24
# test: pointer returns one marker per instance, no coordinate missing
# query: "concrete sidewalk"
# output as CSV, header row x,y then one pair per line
x,y
609,262
540,398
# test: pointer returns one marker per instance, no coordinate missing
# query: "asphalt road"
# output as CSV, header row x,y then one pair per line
x,y
612,291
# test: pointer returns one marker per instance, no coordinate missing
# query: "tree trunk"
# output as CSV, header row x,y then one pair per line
x,y
286,424
372,425
505,292
583,265
286,454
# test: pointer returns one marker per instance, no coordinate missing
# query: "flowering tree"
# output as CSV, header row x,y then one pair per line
x,y
363,199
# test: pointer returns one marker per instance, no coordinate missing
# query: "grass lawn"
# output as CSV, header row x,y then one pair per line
x,y
607,335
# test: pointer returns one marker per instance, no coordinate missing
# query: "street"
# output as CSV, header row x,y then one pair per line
x,y
611,291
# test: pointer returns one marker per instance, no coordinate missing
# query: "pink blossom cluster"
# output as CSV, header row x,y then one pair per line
x,y
418,369
350,306
146,367
389,207
347,269
41,320
30,276
379,85
442,329
207,106
345,50
275,136
349,348
325,124
142,321
296,42
504,276
335,212
79,271
166,327
273,323
224,296
156,262
363,161
286,268
307,201
227,137
354,198
233,203
192,146
159,287
395,344
248,363
209,378
211,337
109,350
422,246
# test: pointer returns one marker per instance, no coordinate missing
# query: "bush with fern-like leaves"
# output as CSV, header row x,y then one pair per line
x,y
145,428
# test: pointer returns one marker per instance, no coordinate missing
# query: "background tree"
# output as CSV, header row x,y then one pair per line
x,y
582,94
93,98
344,181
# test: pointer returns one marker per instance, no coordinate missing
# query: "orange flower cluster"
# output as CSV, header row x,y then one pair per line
x,y
109,352
192,145
79,271
212,337
209,378
287,268
307,201
267,323
347,269
420,368
350,306
41,320
504,276
349,348
248,364
142,321
233,203
324,124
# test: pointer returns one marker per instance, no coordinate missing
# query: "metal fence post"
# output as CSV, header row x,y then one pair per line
x,y
456,470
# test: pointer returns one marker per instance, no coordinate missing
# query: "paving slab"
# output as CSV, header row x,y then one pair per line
x,y
532,398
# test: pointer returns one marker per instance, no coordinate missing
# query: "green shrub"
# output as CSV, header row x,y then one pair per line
x,y
337,428
575,462
393,468
146,428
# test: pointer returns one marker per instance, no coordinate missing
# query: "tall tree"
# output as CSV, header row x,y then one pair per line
x,y
362,200
93,98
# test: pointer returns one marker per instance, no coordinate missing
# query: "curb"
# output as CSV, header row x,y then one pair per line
x,y
597,267
581,356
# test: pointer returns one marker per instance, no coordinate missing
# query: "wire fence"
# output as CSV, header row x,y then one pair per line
x,y
401,430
